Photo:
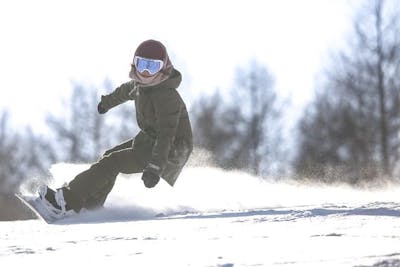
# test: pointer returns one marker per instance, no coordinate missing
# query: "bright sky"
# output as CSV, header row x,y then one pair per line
x,y
47,44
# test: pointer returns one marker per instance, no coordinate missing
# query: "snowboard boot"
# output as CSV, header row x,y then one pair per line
x,y
73,201
54,202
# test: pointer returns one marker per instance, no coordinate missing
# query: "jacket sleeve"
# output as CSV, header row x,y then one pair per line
x,y
167,106
121,94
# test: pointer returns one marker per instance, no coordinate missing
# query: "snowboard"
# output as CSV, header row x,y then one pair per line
x,y
36,206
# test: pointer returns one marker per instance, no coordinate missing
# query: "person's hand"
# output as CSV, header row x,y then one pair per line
x,y
101,109
150,176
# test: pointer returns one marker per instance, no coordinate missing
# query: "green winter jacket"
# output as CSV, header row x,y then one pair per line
x,y
162,116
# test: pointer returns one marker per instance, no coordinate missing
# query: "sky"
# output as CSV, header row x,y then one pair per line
x,y
46,45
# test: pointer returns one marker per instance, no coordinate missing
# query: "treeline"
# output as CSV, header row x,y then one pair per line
x,y
352,130
349,133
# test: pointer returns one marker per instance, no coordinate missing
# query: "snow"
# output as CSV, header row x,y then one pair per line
x,y
215,218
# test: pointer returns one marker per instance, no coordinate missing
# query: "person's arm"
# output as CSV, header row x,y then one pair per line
x,y
121,94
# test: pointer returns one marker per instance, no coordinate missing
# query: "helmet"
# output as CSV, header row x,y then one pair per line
x,y
151,49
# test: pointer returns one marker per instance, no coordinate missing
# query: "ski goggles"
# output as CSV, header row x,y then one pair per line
x,y
151,65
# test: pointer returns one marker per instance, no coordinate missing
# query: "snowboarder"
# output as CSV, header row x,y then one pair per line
x,y
160,149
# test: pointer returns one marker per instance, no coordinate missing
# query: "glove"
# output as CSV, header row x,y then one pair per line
x,y
101,109
150,176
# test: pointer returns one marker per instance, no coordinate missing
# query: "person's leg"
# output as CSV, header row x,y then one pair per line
x,y
100,197
90,188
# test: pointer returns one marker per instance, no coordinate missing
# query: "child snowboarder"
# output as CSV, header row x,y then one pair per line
x,y
160,149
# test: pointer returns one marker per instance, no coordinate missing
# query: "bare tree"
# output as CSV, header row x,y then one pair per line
x,y
378,38
257,101
242,133
215,127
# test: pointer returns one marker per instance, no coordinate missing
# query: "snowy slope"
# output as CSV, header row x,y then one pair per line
x,y
215,218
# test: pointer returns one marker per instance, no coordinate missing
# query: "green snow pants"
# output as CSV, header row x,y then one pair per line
x,y
90,188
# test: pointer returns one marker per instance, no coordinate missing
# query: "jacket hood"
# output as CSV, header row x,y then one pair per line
x,y
172,82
